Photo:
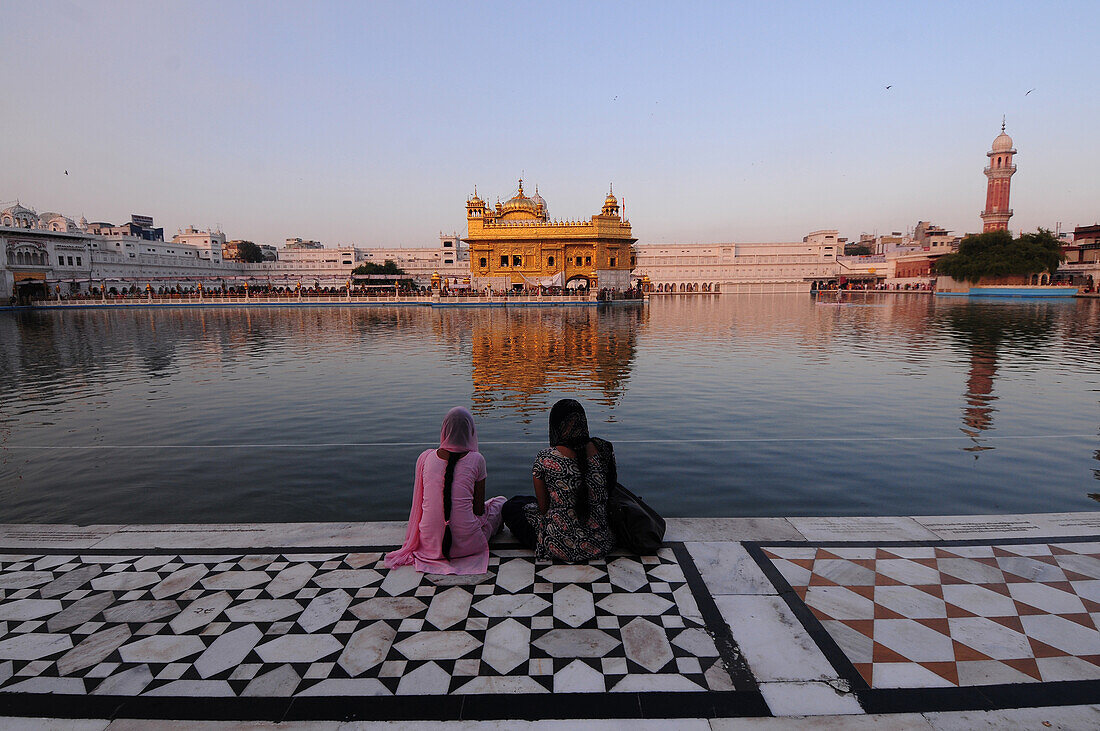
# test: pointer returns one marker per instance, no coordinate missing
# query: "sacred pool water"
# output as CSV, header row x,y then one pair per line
x,y
718,406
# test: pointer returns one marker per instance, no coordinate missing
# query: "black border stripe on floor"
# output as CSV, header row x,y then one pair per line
x,y
920,700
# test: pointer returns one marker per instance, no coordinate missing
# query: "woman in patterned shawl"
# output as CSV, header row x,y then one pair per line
x,y
567,518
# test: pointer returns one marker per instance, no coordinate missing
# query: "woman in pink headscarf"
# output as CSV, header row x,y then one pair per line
x,y
451,522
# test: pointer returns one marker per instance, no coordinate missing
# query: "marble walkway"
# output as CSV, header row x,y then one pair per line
x,y
922,622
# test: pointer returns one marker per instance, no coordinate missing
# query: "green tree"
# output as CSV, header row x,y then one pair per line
x,y
389,267
997,254
857,250
249,252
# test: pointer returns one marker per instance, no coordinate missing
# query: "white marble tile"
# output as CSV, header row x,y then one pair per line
x,y
161,649
1047,598
515,575
913,640
571,574
400,580
979,600
638,604
731,529
907,572
69,581
142,610
844,572
24,609
496,684
1054,669
573,605
449,607
129,682
907,675
388,608
79,611
324,610
858,647
808,699
576,643
366,648
965,527
235,580
577,677
290,580
1070,637
1059,718
263,610
990,672
697,642
53,724
193,689
125,581
1084,565
655,683
1030,569
179,581
278,683
347,687
437,645
43,684
970,571
647,644
794,574
33,646
428,679
727,568
772,640
861,529
685,602
348,579
910,602
627,573
839,602
511,605
43,535
93,649
24,579
506,646
200,612
298,648
228,650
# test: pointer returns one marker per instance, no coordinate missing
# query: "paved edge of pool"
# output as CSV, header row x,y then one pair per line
x,y
384,533
716,546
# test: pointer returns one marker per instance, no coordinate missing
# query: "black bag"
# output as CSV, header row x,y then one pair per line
x,y
637,527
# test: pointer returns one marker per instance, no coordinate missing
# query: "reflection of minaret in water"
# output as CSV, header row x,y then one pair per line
x,y
978,414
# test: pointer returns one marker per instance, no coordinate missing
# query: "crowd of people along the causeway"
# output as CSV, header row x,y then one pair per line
x,y
566,519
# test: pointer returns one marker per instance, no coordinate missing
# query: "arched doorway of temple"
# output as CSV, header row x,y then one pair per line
x,y
577,281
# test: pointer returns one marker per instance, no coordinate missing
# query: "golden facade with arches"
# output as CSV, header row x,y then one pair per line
x,y
517,245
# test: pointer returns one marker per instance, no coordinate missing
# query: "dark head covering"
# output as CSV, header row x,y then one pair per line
x,y
569,425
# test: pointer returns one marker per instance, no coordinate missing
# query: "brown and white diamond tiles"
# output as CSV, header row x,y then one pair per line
x,y
930,616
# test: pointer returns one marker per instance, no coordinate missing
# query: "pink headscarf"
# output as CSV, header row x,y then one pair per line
x,y
458,434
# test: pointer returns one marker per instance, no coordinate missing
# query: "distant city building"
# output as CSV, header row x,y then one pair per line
x,y
516,244
998,184
297,243
208,243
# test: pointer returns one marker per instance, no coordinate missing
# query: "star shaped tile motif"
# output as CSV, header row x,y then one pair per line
x,y
342,624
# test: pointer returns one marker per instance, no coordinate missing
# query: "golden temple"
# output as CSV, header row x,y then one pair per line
x,y
516,245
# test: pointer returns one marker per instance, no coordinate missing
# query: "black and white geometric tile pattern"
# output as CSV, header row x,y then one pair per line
x,y
315,624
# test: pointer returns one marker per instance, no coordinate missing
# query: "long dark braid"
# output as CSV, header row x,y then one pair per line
x,y
452,460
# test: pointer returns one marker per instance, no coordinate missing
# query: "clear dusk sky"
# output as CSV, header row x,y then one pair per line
x,y
370,123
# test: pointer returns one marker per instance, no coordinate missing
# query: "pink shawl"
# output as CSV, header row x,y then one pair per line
x,y
458,434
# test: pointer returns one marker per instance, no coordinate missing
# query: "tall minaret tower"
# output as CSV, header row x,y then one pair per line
x,y
996,214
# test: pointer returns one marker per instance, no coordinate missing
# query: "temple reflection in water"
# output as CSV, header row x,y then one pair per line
x,y
520,358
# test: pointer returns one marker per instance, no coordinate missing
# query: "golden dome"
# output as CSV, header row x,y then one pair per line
x,y
519,203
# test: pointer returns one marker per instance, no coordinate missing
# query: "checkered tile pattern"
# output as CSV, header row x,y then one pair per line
x,y
341,624
929,616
